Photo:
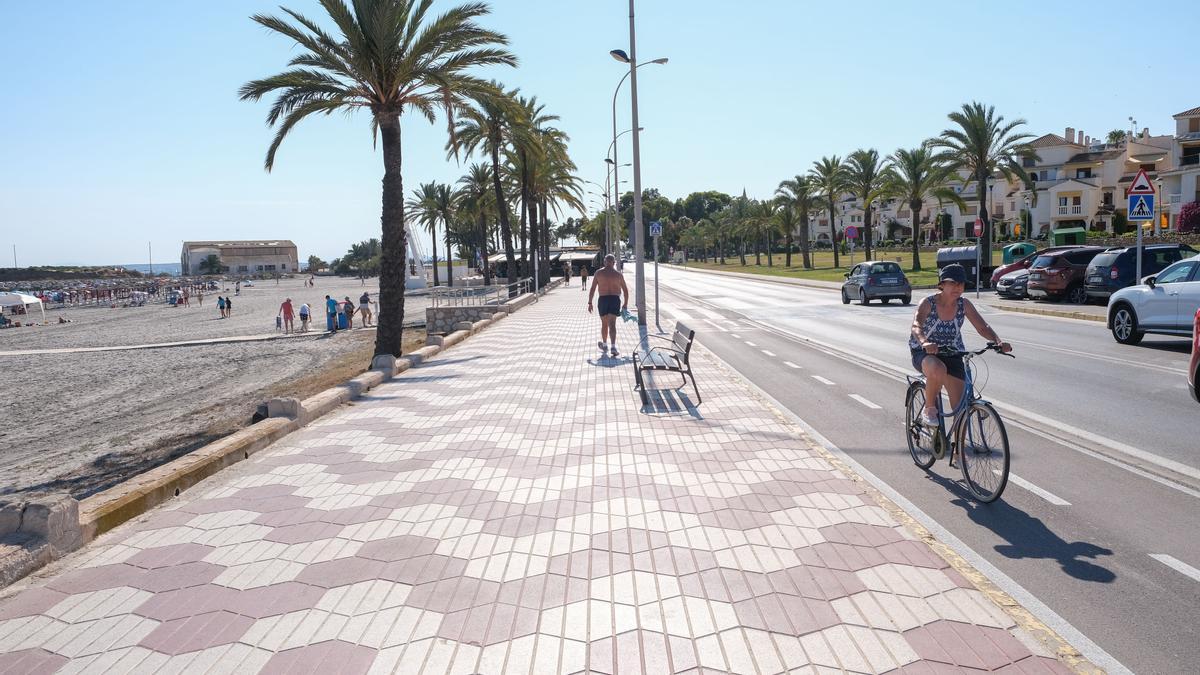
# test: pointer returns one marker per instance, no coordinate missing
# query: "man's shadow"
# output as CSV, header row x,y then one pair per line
x,y
1029,537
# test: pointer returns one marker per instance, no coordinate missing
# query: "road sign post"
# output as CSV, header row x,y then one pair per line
x,y
851,235
1141,210
656,234
978,252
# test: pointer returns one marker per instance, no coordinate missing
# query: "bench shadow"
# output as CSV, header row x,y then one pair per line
x,y
671,400
1028,536
609,362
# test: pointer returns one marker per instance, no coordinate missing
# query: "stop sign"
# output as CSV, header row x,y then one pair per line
x,y
979,227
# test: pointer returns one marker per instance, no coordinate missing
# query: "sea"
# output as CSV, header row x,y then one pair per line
x,y
171,268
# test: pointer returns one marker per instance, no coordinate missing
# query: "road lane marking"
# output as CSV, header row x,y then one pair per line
x,y
714,325
789,364
822,380
1177,565
735,335
1044,494
768,353
1105,357
679,314
749,343
865,402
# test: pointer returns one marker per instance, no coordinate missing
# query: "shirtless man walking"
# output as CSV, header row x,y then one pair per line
x,y
611,285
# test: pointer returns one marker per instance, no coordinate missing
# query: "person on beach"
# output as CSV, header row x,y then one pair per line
x,y
200,298
228,306
611,285
221,306
567,273
331,306
347,308
185,297
364,308
285,311
583,274
304,312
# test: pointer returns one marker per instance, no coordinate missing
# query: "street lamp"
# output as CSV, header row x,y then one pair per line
x,y
631,59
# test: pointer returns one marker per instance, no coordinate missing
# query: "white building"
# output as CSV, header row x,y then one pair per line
x,y
1181,183
243,258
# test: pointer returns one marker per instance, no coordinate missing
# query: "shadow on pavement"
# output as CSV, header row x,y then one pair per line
x,y
670,401
1029,537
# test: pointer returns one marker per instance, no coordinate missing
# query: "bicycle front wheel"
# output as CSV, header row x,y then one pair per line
x,y
983,452
920,437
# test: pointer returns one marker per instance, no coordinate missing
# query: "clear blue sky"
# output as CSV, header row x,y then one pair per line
x,y
121,124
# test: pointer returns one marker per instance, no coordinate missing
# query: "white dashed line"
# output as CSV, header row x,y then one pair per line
x,y
865,402
1044,494
749,343
822,380
768,353
739,337
716,325
1177,565
789,364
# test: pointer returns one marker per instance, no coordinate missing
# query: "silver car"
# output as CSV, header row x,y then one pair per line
x,y
876,280
1163,303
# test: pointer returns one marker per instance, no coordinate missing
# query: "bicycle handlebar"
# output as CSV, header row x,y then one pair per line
x,y
991,347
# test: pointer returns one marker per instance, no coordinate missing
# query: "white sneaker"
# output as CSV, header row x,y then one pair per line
x,y
614,353
603,347
929,420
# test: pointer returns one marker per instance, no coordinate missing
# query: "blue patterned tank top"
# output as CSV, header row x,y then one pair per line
x,y
947,334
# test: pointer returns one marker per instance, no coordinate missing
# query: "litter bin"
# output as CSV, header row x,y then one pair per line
x,y
1068,236
965,256
1014,252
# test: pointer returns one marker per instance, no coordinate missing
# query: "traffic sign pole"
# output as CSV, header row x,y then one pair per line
x,y
656,234
1140,210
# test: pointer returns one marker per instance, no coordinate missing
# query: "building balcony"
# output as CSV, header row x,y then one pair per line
x,y
1070,210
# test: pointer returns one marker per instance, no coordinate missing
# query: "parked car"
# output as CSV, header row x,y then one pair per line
x,y
1116,268
1059,275
1194,365
1165,304
1014,285
1024,263
876,279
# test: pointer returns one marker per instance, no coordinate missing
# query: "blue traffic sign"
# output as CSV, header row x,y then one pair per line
x,y
1141,207
851,232
656,229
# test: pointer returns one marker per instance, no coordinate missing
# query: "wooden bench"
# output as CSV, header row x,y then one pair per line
x,y
673,357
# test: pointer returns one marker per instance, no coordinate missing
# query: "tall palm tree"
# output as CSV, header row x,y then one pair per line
x,y
914,176
864,177
386,57
475,198
800,193
444,205
829,177
423,210
983,144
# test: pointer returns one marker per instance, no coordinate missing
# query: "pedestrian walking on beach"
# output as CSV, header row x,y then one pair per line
x,y
304,312
185,297
347,308
583,274
285,311
221,306
228,306
567,273
364,308
611,285
200,298
331,306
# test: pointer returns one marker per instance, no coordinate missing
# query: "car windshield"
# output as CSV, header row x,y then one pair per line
x,y
885,268
1105,259
1043,261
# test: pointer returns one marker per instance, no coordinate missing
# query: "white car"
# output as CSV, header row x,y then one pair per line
x,y
1163,303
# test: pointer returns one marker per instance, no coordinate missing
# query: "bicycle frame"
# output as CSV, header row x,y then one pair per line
x,y
968,397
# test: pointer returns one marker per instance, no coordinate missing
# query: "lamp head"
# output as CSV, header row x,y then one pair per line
x,y
608,160
620,55
661,61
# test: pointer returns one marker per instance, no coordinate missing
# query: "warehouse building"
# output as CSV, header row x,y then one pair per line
x,y
249,258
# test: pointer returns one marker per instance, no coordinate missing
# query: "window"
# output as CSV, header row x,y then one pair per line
x,y
260,268
1027,162
283,266
1034,176
1108,199
972,209
1062,201
1076,200
885,268
243,268
1176,273
1080,257
1083,173
1043,261
1194,124
270,268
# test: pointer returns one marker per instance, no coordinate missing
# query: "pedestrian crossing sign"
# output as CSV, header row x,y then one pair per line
x,y
1141,207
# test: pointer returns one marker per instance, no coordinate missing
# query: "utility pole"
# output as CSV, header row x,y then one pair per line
x,y
150,254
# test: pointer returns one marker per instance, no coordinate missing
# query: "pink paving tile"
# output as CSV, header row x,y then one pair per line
x,y
965,645
909,552
820,583
840,556
291,517
341,572
860,534
187,602
518,525
736,519
451,595
931,668
629,540
675,560
423,568
1035,665
160,519
303,532
197,632
542,591
398,548
724,584
31,662
266,491
29,602
95,578
488,624
176,577
169,556
786,614
365,477
590,563
266,505
333,656
275,599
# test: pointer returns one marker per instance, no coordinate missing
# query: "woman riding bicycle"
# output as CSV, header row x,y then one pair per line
x,y
937,326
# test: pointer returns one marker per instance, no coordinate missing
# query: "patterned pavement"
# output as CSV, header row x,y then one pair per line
x,y
509,507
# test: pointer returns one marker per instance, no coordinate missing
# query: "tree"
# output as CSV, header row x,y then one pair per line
x,y
211,265
1189,217
423,210
829,177
864,177
475,199
1115,137
801,195
388,57
983,144
315,264
914,176
443,202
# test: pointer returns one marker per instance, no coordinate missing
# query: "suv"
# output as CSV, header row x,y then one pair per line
x,y
876,279
1165,304
1024,263
1115,268
1059,276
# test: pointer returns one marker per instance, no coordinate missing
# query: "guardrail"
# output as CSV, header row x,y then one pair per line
x,y
475,296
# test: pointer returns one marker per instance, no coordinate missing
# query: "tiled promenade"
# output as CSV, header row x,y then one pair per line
x,y
510,508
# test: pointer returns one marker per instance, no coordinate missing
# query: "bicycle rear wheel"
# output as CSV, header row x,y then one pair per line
x,y
920,437
983,452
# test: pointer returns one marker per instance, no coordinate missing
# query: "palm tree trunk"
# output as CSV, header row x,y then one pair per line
x,y
788,253
449,256
483,246
505,228
867,232
433,238
767,244
915,206
535,249
742,251
986,245
804,242
389,336
833,233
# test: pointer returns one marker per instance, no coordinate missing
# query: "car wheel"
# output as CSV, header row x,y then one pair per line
x,y
1124,326
1077,295
845,298
862,297
907,300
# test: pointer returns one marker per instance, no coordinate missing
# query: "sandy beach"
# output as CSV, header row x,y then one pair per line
x,y
88,420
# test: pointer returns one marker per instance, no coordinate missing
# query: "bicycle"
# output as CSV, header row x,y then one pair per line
x,y
976,437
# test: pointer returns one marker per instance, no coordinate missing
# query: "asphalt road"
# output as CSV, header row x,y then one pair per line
x,y
1098,531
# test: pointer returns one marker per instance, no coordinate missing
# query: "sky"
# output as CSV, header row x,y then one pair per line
x,y
121,131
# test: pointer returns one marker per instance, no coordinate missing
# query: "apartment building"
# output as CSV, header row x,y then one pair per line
x,y
1181,183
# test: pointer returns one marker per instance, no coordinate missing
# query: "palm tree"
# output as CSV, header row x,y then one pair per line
x,y
829,177
474,197
864,177
423,210
444,206
800,193
386,57
914,176
983,144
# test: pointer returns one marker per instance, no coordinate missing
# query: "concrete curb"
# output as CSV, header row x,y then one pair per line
x,y
35,533
1062,314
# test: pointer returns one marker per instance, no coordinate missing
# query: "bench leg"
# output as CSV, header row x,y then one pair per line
x,y
695,387
637,376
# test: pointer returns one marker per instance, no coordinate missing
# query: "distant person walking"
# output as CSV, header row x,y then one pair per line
x,y
331,306
567,273
347,308
185,297
304,313
228,306
611,285
221,306
583,274
364,308
285,311
200,298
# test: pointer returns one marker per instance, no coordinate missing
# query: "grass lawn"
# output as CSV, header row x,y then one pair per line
x,y
824,269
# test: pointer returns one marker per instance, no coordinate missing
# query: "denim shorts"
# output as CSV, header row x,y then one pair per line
x,y
955,367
